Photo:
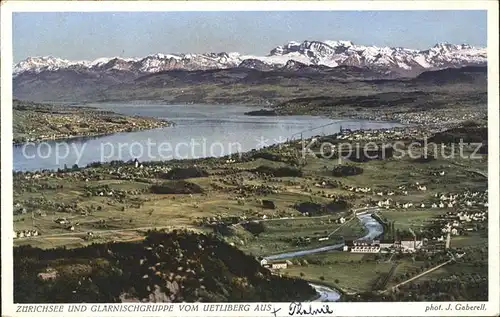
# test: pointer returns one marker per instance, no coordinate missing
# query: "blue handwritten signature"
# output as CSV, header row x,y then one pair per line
x,y
298,309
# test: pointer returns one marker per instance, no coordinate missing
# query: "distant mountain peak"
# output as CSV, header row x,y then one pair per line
x,y
329,53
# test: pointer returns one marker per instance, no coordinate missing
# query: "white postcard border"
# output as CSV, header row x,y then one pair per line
x,y
339,309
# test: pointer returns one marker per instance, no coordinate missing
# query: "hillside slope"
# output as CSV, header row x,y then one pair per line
x,y
165,267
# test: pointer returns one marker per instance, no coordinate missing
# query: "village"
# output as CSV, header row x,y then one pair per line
x,y
384,199
464,213
422,117
255,168
273,201
37,122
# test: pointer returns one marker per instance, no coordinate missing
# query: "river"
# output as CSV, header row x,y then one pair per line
x,y
328,294
199,131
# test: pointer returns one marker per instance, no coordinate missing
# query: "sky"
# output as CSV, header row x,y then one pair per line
x,y
90,35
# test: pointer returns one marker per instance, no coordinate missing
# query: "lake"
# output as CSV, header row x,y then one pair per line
x,y
199,131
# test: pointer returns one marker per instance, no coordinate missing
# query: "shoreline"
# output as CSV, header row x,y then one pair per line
x,y
389,117
420,129
171,123
89,136
34,122
348,112
228,156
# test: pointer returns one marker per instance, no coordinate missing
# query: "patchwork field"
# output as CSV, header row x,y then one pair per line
x,y
415,219
270,202
230,190
348,272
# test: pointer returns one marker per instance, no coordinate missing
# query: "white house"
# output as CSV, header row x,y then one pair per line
x,y
279,265
362,246
61,221
411,245
366,249
386,245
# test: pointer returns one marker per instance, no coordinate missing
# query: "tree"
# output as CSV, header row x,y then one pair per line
x,y
336,281
322,278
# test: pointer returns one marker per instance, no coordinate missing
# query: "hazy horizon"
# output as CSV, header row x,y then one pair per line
x,y
91,35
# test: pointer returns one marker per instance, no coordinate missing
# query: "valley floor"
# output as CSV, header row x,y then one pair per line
x,y
273,201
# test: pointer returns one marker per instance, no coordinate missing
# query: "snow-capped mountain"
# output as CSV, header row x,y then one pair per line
x,y
37,64
320,53
336,53
149,64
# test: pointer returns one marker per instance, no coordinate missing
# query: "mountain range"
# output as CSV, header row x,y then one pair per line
x,y
221,77
398,60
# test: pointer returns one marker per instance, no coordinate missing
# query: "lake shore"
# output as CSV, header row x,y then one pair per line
x,y
223,130
35,122
120,201
447,116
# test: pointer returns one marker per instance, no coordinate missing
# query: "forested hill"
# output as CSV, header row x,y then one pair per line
x,y
165,267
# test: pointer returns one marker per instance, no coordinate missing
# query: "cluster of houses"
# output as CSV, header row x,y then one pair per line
x,y
467,199
462,221
387,203
127,170
358,189
362,246
401,191
275,265
94,123
468,217
381,134
25,233
376,246
327,184
437,117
